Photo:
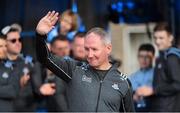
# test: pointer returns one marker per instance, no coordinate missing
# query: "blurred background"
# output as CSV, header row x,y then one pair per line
x,y
130,22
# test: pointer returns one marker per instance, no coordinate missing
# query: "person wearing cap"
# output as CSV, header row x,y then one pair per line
x,y
9,82
27,67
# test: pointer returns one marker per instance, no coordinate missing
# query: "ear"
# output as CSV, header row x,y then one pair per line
x,y
171,38
108,48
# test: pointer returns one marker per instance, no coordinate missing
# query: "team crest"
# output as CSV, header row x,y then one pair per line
x,y
86,79
5,75
25,70
115,86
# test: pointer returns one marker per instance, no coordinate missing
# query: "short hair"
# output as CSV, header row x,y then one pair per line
x,y
147,47
105,37
3,37
60,37
74,17
163,26
79,35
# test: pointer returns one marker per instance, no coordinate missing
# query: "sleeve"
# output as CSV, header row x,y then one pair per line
x,y
173,73
60,95
36,78
127,101
11,90
134,81
59,66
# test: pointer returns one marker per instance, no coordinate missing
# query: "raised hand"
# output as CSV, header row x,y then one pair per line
x,y
47,23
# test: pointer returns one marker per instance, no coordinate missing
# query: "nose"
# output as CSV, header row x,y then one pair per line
x,y
90,54
157,41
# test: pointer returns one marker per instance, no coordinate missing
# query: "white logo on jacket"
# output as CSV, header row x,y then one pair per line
x,y
25,70
86,79
115,86
5,75
159,66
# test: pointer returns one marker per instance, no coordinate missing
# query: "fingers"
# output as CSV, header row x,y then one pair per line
x,y
47,23
27,77
135,97
54,18
51,14
54,21
52,92
48,14
52,85
47,89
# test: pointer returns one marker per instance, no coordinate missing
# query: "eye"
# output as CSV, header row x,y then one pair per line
x,y
86,49
94,49
161,38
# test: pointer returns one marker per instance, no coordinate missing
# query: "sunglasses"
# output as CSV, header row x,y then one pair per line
x,y
15,40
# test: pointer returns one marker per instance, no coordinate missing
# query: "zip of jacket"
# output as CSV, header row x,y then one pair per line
x,y
97,105
99,93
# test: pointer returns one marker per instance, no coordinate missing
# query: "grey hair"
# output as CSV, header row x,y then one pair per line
x,y
105,37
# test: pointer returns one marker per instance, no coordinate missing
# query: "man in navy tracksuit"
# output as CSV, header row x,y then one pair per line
x,y
9,81
96,86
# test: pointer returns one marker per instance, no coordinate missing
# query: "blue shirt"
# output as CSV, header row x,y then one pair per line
x,y
142,77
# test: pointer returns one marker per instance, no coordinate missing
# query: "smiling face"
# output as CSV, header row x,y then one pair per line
x,y
14,44
163,40
96,51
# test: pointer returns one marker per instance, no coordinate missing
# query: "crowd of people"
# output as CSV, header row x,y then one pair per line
x,y
75,71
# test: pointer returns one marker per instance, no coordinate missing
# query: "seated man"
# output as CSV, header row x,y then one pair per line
x,y
143,76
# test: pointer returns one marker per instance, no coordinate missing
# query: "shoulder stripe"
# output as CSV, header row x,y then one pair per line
x,y
123,76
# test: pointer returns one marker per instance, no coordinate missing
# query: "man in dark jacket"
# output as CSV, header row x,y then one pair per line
x,y
25,100
93,87
9,81
166,83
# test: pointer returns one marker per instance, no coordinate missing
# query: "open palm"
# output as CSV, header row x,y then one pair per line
x,y
47,23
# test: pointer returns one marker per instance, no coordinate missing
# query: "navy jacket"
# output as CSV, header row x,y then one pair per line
x,y
85,91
